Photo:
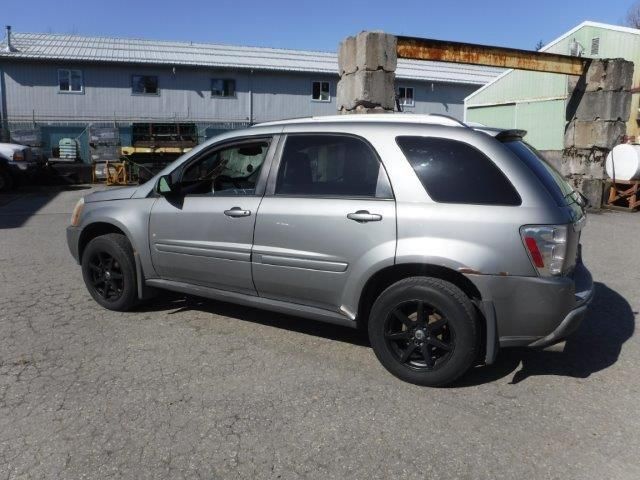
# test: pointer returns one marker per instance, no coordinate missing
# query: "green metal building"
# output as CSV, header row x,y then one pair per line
x,y
536,101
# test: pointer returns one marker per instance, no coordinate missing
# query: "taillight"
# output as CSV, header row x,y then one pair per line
x,y
18,157
547,247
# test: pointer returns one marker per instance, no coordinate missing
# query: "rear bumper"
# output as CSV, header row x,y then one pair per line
x,y
534,311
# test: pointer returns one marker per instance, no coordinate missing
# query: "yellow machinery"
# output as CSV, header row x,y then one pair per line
x,y
119,173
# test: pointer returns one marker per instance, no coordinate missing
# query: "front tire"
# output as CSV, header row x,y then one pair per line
x,y
109,272
6,180
424,331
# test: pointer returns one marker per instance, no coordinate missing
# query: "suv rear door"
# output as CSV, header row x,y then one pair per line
x,y
327,217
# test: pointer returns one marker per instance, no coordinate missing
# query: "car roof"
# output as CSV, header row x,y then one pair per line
x,y
398,118
360,118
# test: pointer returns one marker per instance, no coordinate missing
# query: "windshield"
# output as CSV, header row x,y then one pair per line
x,y
562,192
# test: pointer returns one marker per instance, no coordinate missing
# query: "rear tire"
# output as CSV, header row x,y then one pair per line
x,y
109,272
424,331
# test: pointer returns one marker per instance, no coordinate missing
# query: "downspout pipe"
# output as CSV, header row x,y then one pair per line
x,y
251,97
4,121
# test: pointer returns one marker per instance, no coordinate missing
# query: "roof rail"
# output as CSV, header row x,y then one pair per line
x,y
431,119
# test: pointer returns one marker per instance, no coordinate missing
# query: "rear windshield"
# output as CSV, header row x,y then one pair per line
x,y
561,191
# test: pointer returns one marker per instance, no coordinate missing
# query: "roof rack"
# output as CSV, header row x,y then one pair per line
x,y
430,119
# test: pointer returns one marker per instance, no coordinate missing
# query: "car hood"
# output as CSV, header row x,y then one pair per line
x,y
120,193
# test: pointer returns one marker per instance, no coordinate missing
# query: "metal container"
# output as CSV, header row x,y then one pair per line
x,y
68,148
623,162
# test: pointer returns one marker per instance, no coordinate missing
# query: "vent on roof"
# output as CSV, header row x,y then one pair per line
x,y
595,46
9,46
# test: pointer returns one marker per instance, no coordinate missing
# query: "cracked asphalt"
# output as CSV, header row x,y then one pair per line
x,y
189,388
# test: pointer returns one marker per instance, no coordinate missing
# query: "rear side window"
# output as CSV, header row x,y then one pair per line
x,y
456,172
330,165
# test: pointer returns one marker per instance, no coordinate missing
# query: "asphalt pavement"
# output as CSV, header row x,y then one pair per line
x,y
191,388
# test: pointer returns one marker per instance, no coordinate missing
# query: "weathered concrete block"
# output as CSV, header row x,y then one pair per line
x,y
603,105
590,134
376,50
592,188
581,163
347,56
609,75
368,88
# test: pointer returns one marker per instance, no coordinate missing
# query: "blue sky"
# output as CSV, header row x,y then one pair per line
x,y
316,25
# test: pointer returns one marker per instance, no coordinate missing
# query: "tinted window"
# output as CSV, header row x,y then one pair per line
x,y
554,182
330,165
456,172
232,170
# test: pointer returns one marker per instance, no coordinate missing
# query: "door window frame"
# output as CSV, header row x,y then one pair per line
x,y
277,160
274,141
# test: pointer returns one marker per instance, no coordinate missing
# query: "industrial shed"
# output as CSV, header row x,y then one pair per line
x,y
62,84
537,101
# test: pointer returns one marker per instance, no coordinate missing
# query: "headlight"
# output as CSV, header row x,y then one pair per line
x,y
77,212
18,157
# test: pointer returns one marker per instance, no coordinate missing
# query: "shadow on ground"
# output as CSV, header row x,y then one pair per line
x,y
594,347
18,206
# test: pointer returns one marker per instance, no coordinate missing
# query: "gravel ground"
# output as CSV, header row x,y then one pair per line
x,y
189,388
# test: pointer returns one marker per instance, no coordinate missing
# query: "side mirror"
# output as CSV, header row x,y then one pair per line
x,y
165,186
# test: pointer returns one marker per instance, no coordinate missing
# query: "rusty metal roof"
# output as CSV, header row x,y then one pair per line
x,y
74,48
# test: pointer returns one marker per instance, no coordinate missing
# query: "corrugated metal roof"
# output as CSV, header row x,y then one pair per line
x,y
41,46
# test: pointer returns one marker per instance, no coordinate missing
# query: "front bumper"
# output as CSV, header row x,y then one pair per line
x,y
535,311
25,168
73,237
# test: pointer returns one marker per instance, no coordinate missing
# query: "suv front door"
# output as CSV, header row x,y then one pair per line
x,y
328,215
204,234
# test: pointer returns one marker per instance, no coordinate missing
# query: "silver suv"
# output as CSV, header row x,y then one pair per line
x,y
446,242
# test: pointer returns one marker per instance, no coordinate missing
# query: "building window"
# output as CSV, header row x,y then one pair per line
x,y
320,92
405,96
144,85
223,87
70,81
595,46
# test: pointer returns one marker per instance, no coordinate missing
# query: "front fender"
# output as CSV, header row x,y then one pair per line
x,y
132,217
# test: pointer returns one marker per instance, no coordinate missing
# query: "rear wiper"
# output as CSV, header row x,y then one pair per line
x,y
581,199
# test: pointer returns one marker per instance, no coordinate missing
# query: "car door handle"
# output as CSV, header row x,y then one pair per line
x,y
364,216
237,212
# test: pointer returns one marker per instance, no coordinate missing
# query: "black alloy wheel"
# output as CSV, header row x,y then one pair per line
x,y
419,335
109,272
107,278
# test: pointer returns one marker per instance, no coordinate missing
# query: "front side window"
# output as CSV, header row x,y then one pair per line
x,y
456,172
70,80
144,85
405,96
320,92
330,165
232,170
223,87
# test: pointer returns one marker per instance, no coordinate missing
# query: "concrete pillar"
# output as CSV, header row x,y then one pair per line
x,y
367,64
597,112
